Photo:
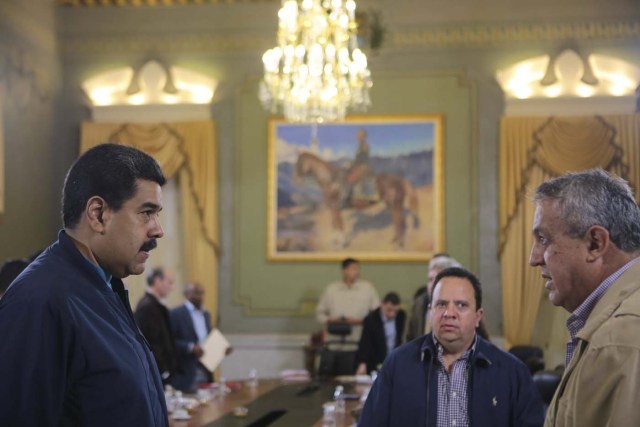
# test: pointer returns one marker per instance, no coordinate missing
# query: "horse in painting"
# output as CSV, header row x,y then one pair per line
x,y
393,190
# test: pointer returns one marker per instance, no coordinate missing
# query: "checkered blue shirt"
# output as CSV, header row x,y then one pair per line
x,y
453,389
579,317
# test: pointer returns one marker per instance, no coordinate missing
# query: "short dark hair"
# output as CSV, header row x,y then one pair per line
x,y
463,274
391,297
348,261
156,273
109,171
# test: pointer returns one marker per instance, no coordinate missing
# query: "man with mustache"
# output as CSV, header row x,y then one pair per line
x,y
586,231
452,376
71,352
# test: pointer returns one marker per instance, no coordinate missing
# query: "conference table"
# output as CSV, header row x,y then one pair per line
x,y
273,403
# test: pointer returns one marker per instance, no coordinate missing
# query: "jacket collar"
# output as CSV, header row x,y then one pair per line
x,y
611,301
479,357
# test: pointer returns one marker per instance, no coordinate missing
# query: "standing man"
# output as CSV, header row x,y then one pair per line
x,y
586,231
418,325
152,317
191,326
382,331
71,351
348,300
453,376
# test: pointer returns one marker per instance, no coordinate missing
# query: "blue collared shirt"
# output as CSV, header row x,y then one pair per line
x,y
103,274
199,323
579,317
389,331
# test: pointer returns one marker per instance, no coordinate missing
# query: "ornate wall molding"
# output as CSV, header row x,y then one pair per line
x,y
463,36
481,35
148,3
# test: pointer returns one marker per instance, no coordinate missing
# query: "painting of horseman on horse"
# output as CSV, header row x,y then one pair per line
x,y
369,188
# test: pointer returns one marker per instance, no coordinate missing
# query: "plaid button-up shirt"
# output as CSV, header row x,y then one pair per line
x,y
453,389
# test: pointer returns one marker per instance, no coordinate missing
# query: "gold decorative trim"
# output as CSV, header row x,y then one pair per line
x,y
148,3
509,33
430,38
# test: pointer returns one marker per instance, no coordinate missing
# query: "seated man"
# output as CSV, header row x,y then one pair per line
x,y
452,376
382,331
348,300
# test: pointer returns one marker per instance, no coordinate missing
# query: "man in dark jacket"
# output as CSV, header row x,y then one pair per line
x,y
71,352
382,331
153,319
452,376
191,325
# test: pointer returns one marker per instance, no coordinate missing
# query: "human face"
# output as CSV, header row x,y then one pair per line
x,y
389,310
351,273
195,295
432,278
453,315
561,258
129,234
164,285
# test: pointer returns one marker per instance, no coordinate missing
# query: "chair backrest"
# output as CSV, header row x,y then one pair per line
x,y
531,355
547,383
341,329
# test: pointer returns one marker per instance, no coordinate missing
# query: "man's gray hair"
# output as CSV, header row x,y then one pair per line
x,y
595,197
440,262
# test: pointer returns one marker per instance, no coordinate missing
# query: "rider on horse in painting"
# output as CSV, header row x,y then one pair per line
x,y
360,180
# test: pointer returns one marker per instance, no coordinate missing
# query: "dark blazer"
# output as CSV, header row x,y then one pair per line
x,y
153,320
185,335
372,348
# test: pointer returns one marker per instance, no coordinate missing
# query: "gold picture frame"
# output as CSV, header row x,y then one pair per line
x,y
370,187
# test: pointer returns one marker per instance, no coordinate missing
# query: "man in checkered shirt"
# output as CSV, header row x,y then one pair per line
x,y
452,376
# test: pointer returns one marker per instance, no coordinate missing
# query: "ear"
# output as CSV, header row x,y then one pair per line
x,y
95,213
479,316
598,241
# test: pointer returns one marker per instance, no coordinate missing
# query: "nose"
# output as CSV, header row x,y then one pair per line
x,y
535,257
450,311
157,231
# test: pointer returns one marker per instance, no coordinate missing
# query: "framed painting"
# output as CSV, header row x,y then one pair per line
x,y
370,188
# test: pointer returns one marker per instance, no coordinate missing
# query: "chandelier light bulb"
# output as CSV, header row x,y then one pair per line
x,y
317,71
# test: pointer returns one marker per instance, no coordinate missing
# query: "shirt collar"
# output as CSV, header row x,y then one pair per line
x,y
578,318
101,272
192,308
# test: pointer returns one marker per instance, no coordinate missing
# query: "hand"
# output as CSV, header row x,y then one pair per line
x,y
362,369
353,321
197,351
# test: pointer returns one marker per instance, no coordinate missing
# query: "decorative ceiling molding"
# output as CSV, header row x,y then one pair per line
x,y
509,33
148,3
432,38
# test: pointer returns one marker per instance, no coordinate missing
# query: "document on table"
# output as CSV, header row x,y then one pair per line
x,y
215,347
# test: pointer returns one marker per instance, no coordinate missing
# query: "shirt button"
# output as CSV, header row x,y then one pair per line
x,y
453,422
454,395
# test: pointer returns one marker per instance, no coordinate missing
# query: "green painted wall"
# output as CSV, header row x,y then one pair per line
x,y
292,288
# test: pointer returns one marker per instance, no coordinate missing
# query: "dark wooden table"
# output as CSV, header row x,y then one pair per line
x,y
274,403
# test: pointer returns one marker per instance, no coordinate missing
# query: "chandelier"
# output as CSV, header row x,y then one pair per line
x,y
317,70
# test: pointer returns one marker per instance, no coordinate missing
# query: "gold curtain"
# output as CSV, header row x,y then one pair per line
x,y
188,150
531,151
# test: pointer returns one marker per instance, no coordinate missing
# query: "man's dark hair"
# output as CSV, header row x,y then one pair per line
x,y
463,274
109,171
156,273
348,261
392,298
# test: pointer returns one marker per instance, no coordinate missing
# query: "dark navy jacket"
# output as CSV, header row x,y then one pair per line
x,y
70,351
405,394
185,334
